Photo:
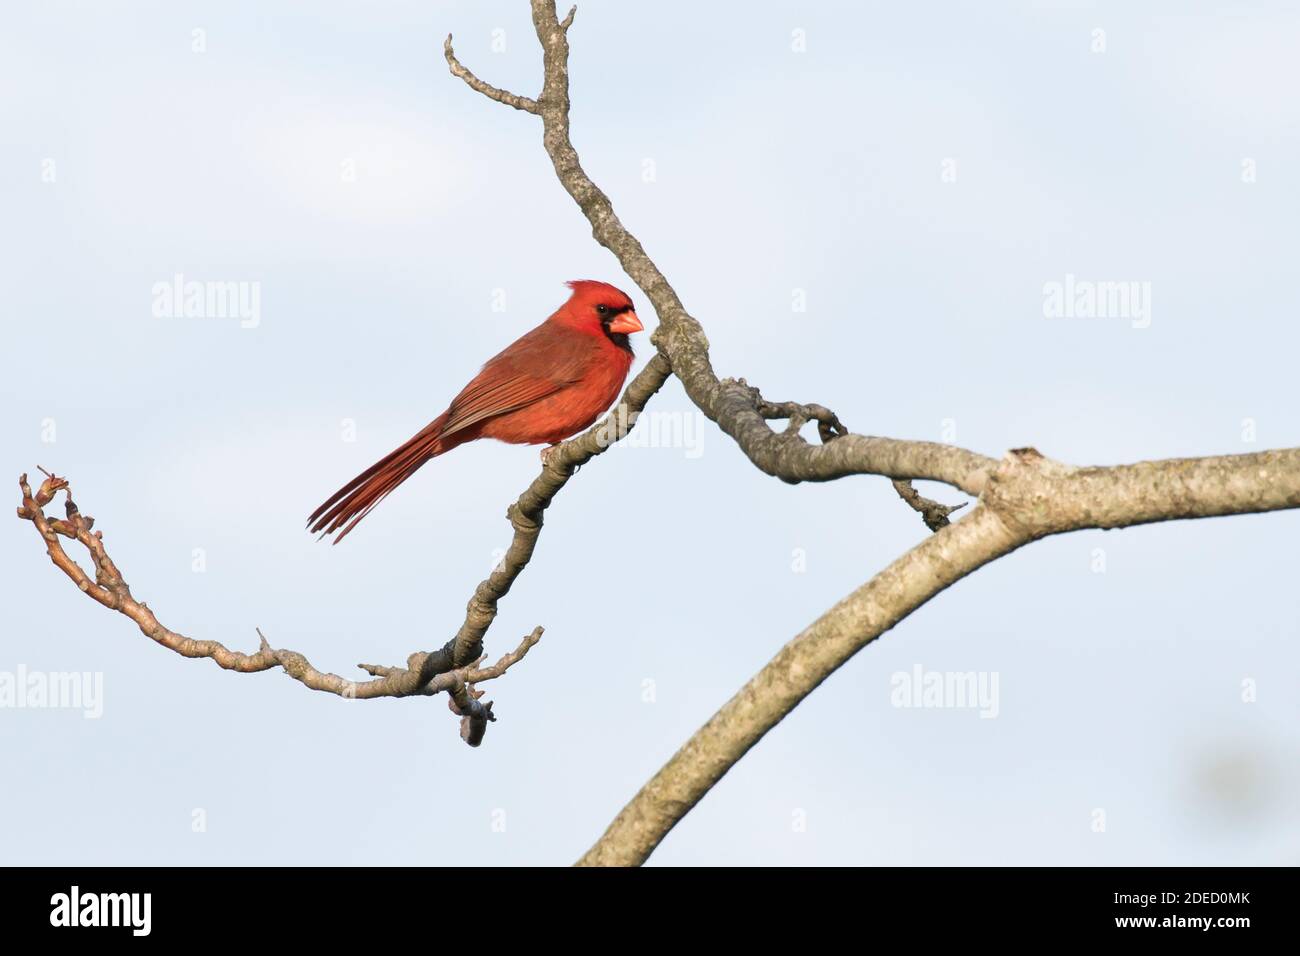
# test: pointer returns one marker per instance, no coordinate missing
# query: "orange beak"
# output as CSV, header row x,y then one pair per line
x,y
626,323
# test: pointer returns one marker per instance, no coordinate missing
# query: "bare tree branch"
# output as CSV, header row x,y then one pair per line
x,y
934,514
454,668
829,427
735,406
738,408
526,514
1023,497
1030,497
111,590
797,670
487,89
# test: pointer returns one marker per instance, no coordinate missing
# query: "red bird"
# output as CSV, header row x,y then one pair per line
x,y
550,384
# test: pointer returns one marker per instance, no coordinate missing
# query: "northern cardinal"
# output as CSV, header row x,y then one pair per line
x,y
548,385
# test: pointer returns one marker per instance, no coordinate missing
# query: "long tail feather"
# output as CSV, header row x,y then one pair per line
x,y
354,501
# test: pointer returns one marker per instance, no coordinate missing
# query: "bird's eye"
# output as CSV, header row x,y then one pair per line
x,y
602,309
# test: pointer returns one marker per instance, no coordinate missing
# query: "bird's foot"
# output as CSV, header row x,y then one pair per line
x,y
547,452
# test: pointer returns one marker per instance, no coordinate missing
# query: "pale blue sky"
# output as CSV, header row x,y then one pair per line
x,y
775,170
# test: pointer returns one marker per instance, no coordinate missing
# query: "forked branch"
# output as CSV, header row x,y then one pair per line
x,y
1023,497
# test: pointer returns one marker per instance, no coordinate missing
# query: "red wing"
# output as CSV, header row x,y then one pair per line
x,y
539,364
491,399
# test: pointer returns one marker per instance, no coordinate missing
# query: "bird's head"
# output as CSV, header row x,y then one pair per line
x,y
601,309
